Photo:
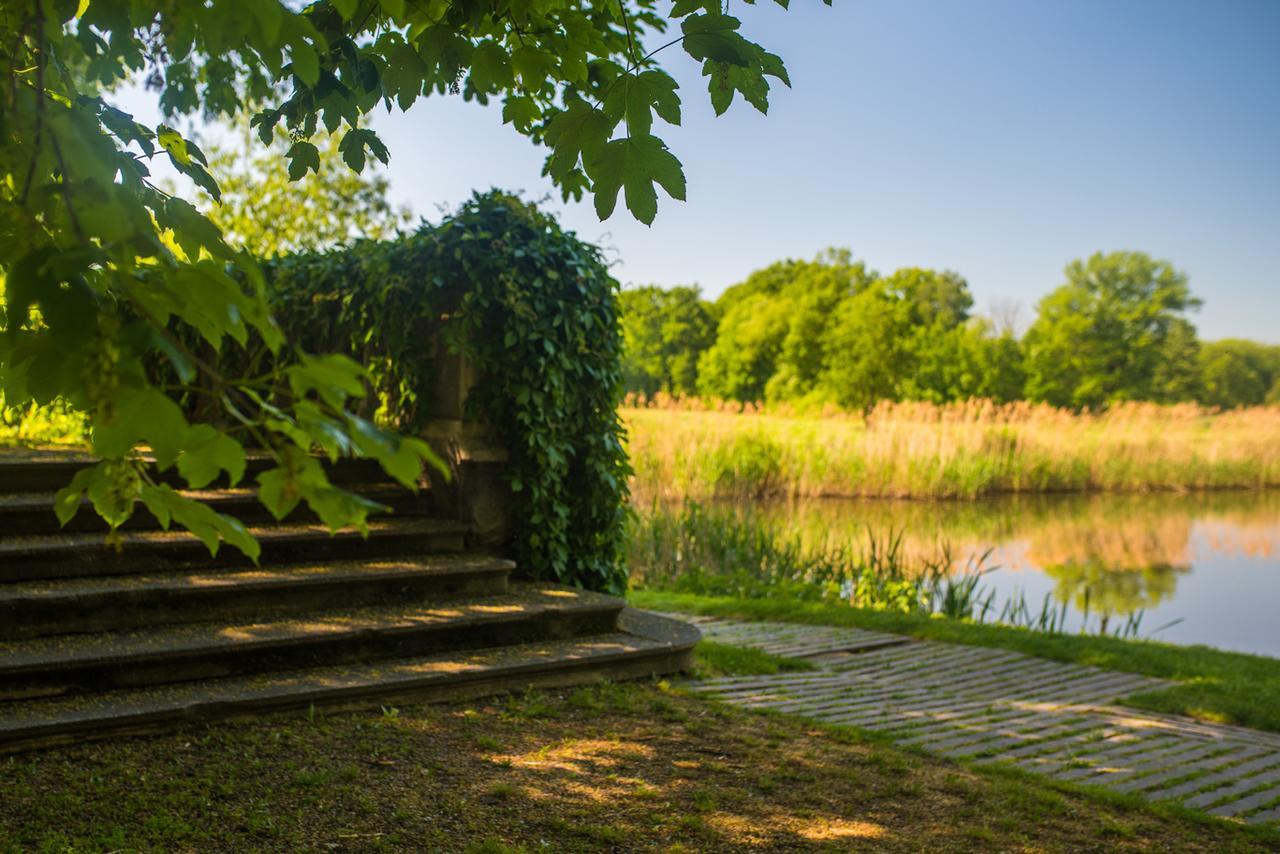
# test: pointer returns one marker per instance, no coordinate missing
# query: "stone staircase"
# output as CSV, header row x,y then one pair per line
x,y
97,641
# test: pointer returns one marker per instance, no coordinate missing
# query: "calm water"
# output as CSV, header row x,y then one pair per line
x,y
1210,562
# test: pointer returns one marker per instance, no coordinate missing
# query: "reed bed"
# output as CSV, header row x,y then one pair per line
x,y
696,449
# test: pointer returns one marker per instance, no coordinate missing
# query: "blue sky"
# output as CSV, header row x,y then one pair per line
x,y
1000,139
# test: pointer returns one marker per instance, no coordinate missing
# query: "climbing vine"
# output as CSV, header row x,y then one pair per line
x,y
534,309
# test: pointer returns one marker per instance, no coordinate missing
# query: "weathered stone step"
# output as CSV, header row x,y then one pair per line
x,y
104,661
45,556
59,606
32,512
644,644
49,471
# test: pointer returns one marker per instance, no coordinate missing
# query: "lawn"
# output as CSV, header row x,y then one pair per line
x,y
1225,687
633,767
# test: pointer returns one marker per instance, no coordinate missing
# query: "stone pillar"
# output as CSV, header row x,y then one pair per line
x,y
477,492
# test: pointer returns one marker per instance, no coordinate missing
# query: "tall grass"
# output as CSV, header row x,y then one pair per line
x,y
719,552
965,450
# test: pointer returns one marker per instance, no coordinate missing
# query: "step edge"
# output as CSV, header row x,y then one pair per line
x,y
478,566
538,672
405,627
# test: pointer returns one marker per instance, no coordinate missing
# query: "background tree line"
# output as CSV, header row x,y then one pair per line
x,y
833,330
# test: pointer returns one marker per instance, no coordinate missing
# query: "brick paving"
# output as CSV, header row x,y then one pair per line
x,y
1064,721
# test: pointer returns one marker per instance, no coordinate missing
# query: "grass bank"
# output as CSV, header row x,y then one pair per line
x,y
1226,687
964,450
631,767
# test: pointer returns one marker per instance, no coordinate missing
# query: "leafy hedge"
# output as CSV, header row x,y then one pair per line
x,y
535,310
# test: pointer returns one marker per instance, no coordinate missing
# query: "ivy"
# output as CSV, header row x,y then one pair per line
x,y
535,310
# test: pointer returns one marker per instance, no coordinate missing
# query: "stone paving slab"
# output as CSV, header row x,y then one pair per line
x,y
1054,718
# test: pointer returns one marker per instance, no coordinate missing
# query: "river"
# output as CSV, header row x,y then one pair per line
x,y
1200,568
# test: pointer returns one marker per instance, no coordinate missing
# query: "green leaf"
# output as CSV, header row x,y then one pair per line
x,y
333,377
212,528
278,492
346,8
207,453
724,80
302,156
173,144
112,486
490,67
353,145
306,64
66,501
636,164
142,415
532,65
521,111
578,131
715,36
636,96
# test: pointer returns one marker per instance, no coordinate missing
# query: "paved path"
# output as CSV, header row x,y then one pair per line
x,y
992,705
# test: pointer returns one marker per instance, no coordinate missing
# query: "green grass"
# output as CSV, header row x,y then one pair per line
x,y
636,766
1226,687
711,659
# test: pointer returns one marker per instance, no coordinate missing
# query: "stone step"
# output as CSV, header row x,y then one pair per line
x,y
71,664
78,555
32,512
644,644
49,471
60,606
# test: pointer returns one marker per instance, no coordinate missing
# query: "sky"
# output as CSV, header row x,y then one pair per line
x,y
997,138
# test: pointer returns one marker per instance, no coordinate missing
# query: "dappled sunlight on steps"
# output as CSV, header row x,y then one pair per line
x,y
97,641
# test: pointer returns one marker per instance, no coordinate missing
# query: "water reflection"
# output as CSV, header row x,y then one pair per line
x,y
1111,556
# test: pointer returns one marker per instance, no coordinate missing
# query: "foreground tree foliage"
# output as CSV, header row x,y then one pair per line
x,y
106,271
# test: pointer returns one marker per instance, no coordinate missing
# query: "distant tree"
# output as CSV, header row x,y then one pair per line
x,y
1177,373
1234,372
963,362
813,295
769,342
745,354
665,331
1102,336
268,209
1000,362
865,350
936,299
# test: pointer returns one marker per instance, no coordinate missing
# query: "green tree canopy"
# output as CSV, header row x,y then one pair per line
x,y
1239,373
665,331
1106,334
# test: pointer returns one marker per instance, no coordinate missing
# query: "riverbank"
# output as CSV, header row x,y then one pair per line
x,y
1213,685
634,767
954,451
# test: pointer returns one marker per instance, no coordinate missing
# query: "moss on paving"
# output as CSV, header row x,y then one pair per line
x,y
633,767
1222,687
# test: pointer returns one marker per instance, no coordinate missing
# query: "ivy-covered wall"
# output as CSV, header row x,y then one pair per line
x,y
534,310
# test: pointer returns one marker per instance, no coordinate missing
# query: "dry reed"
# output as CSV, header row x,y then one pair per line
x,y
697,449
